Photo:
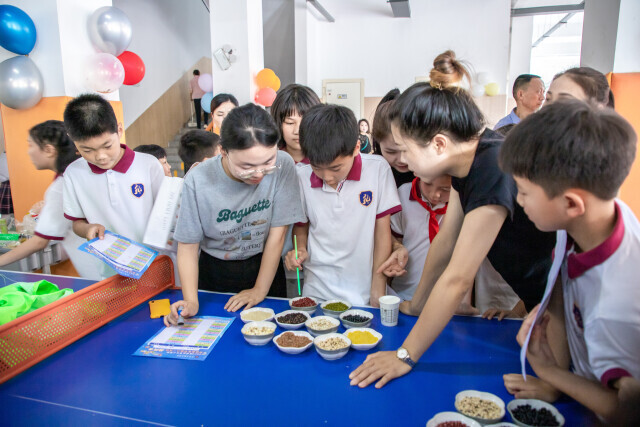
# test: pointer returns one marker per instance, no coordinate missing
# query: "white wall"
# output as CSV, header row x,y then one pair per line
x,y
520,56
170,36
599,32
627,58
367,42
279,43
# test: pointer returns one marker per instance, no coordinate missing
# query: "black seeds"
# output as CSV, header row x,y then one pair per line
x,y
355,318
535,417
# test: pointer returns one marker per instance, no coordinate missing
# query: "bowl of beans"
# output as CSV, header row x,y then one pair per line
x,y
451,419
334,307
332,346
485,408
291,319
293,342
355,318
257,314
534,412
307,304
321,325
363,338
258,333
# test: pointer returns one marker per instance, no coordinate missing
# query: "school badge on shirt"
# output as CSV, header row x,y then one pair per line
x,y
366,197
137,190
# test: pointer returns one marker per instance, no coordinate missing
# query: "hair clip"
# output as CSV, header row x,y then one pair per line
x,y
436,85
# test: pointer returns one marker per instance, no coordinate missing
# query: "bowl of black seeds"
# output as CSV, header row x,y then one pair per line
x,y
355,318
291,319
534,412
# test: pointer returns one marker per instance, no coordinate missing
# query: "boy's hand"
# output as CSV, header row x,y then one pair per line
x,y
395,264
95,230
532,388
539,353
292,263
248,297
526,325
189,309
383,366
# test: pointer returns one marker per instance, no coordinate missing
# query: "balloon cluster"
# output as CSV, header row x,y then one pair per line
x,y
205,81
110,34
21,83
268,84
484,86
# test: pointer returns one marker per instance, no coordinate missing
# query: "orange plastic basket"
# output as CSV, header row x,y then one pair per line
x,y
33,337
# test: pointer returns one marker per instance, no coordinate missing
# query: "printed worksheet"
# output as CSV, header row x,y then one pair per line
x,y
126,257
192,341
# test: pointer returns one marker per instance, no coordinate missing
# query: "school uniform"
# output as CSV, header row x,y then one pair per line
x,y
602,303
412,224
341,228
120,199
52,225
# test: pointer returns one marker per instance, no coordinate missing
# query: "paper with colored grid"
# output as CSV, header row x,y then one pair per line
x,y
126,257
192,341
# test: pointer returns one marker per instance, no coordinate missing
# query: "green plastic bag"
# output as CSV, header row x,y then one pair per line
x,y
24,297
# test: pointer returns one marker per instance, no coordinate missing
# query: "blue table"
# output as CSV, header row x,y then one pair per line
x,y
97,381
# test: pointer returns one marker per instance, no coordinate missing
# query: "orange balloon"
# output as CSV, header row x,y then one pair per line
x,y
267,78
265,96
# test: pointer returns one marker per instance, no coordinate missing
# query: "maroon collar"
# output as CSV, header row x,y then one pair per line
x,y
304,161
354,173
579,263
123,164
58,175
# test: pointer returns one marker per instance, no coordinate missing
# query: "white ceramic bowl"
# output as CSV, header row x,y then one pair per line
x,y
536,404
258,339
364,346
331,354
290,326
332,313
354,311
251,310
309,310
501,424
443,417
294,350
484,396
316,332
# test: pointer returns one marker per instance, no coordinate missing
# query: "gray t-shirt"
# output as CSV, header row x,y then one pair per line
x,y
231,219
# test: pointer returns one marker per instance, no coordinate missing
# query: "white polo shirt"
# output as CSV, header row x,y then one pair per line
x,y
341,228
52,225
602,303
120,199
411,224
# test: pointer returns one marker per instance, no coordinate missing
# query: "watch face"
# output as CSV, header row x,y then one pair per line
x,y
402,353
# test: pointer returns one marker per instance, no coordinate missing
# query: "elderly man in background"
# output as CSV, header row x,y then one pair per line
x,y
528,91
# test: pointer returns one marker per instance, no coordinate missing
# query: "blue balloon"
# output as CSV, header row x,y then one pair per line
x,y
17,30
205,101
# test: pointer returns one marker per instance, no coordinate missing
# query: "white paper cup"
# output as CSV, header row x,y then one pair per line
x,y
389,308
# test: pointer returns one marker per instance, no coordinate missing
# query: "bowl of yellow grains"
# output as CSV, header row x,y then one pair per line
x,y
334,307
332,346
486,408
257,314
363,338
258,333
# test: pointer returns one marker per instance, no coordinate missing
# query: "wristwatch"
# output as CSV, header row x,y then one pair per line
x,y
403,355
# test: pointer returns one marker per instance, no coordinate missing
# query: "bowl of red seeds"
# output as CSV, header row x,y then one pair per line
x,y
307,304
451,419
292,319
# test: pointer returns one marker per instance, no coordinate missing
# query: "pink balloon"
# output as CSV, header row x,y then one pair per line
x,y
205,81
265,96
104,73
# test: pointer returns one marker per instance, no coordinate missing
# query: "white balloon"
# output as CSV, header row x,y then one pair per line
x,y
104,73
477,90
21,83
109,30
483,78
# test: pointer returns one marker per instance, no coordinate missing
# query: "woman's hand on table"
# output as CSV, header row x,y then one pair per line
x,y
189,309
382,367
247,299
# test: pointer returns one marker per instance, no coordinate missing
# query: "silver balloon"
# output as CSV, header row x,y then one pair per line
x,y
109,30
21,83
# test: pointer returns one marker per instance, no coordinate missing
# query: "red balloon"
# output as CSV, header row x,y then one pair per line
x,y
265,96
133,67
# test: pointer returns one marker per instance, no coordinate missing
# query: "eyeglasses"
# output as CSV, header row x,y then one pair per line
x,y
253,172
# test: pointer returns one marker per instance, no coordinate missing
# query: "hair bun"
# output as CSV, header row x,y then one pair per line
x,y
447,71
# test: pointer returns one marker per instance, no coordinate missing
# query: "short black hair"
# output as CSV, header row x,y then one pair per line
x,y
247,126
220,99
196,72
328,132
521,81
89,115
54,133
294,98
195,145
153,149
423,111
571,144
